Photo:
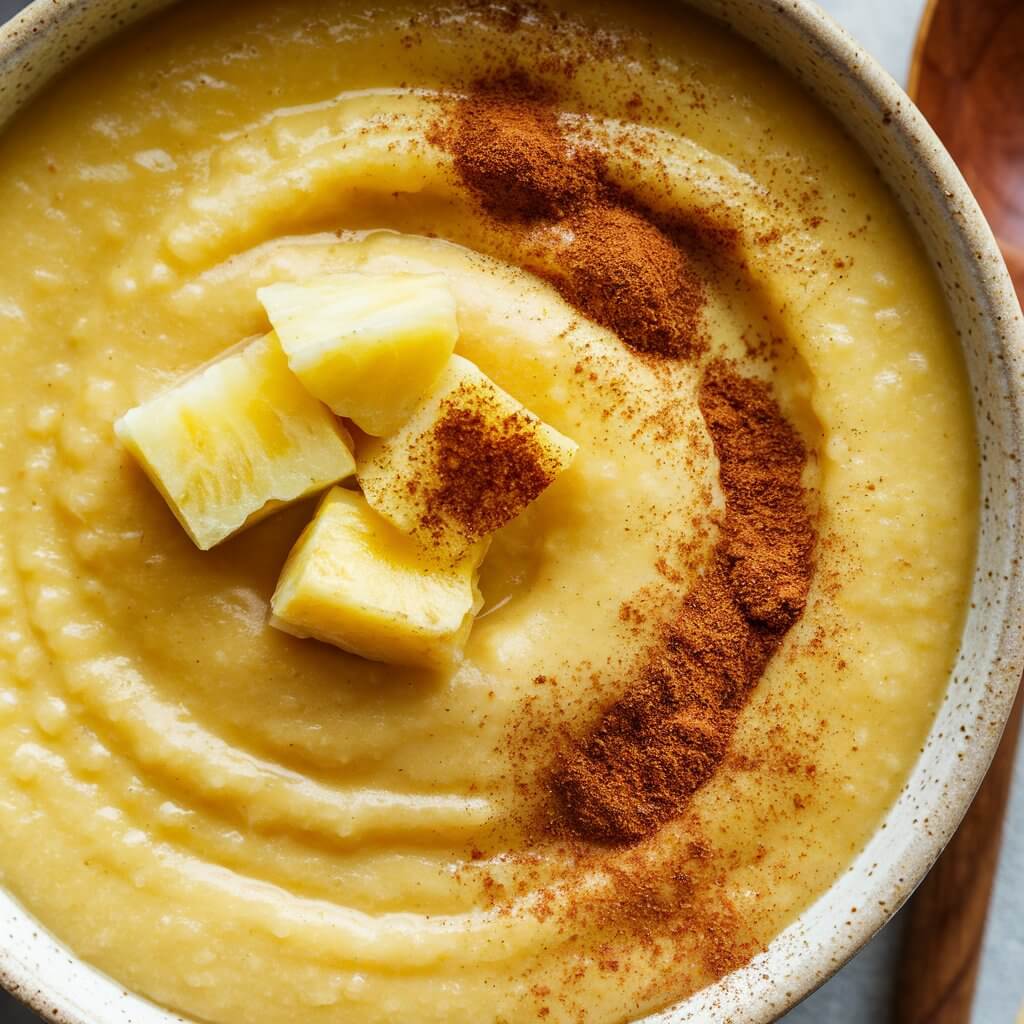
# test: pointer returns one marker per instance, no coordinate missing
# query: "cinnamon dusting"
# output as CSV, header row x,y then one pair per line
x,y
618,266
666,736
661,741
629,276
638,765
488,466
509,152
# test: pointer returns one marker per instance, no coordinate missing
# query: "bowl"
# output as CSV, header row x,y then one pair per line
x,y
34,966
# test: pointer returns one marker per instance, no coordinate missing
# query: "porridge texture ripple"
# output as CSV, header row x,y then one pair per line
x,y
709,652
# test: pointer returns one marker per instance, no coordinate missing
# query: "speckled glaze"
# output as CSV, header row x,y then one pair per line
x,y
878,114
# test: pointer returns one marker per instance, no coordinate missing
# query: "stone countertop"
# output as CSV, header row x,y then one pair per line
x,y
860,993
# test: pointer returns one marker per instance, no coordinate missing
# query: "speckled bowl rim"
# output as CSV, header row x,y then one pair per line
x,y
977,286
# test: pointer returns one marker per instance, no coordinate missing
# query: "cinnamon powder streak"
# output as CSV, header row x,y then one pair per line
x,y
659,743
488,468
620,268
652,749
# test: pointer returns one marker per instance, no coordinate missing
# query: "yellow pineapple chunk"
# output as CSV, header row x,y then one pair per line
x,y
369,345
468,461
354,581
235,441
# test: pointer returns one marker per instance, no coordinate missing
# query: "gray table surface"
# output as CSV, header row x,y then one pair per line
x,y
860,993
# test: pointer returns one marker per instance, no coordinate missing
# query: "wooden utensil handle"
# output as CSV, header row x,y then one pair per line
x,y
946,926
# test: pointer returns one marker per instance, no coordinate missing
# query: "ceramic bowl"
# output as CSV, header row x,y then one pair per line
x,y
878,114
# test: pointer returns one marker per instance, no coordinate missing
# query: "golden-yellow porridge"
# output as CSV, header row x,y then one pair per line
x,y
707,653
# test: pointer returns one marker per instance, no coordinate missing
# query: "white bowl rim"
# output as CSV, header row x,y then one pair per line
x,y
791,968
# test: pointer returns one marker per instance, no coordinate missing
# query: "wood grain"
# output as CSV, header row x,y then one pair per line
x,y
946,917
967,76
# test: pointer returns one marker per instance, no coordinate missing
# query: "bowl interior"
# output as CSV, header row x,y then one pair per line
x,y
876,112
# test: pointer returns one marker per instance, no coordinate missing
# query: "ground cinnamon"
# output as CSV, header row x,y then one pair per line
x,y
629,276
488,466
509,152
640,764
655,746
617,266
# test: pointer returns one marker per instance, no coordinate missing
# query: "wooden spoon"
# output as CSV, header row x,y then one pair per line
x,y
967,76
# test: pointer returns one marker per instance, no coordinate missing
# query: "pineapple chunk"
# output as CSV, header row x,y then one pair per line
x,y
354,581
468,461
235,441
369,345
